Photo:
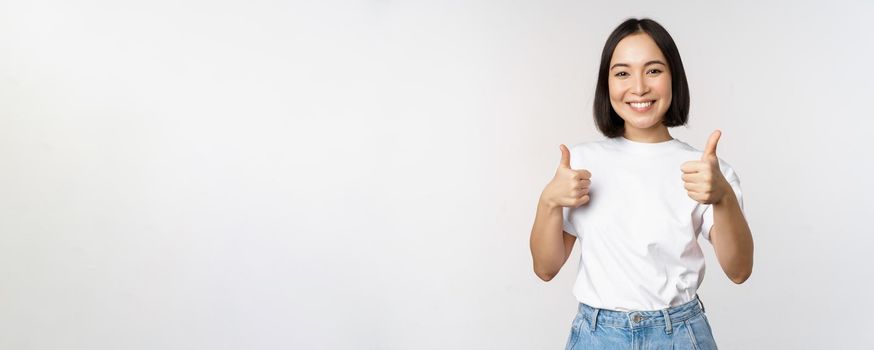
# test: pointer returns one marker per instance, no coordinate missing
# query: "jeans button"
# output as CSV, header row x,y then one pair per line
x,y
636,318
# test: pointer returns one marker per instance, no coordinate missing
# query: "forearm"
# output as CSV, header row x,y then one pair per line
x,y
732,239
547,241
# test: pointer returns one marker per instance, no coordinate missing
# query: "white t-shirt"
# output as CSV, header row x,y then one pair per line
x,y
638,233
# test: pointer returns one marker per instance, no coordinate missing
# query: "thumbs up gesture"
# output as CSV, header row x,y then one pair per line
x,y
703,179
569,187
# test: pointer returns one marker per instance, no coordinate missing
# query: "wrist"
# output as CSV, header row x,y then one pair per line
x,y
547,204
727,195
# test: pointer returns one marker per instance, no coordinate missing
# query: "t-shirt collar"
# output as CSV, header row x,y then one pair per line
x,y
646,147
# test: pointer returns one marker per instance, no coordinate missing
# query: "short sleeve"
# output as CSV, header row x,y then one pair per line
x,y
568,225
734,181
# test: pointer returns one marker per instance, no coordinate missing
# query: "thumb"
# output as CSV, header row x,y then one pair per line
x,y
710,149
565,157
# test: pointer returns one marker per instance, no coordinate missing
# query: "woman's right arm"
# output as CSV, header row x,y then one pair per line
x,y
550,245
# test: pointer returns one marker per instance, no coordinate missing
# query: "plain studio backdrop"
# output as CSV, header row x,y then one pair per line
x,y
364,174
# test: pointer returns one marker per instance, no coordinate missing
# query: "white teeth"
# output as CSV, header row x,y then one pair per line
x,y
641,104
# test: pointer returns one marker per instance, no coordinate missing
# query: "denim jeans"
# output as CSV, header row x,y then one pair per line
x,y
680,327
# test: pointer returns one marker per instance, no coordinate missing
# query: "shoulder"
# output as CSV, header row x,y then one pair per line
x,y
592,147
591,154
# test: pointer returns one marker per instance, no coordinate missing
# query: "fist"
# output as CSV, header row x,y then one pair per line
x,y
703,179
569,187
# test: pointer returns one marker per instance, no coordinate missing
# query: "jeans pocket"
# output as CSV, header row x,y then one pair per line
x,y
700,333
575,332
707,322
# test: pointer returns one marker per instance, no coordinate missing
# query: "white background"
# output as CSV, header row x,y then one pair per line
x,y
364,174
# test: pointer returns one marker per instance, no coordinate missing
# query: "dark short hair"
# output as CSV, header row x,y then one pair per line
x,y
610,124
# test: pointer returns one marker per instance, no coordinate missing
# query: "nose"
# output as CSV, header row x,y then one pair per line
x,y
640,88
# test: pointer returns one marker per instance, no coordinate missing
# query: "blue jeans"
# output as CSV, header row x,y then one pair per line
x,y
680,327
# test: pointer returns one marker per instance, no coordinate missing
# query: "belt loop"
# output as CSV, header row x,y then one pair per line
x,y
595,319
668,325
700,302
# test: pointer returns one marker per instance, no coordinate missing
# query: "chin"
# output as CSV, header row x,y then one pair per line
x,y
642,122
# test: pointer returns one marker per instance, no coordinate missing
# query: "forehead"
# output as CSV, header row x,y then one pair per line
x,y
637,49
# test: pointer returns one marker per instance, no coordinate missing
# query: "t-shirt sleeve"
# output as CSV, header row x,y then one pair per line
x,y
734,181
568,225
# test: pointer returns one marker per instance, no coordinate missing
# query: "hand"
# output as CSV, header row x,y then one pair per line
x,y
569,187
703,179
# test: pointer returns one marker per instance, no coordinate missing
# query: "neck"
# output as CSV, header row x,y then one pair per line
x,y
655,134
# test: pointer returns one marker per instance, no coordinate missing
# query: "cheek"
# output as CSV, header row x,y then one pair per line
x,y
664,88
616,91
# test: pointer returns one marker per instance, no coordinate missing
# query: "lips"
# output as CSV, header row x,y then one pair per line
x,y
641,106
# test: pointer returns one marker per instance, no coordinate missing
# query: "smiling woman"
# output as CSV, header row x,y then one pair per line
x,y
640,85
640,63
638,221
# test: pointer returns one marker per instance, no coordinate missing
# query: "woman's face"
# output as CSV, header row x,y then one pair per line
x,y
639,83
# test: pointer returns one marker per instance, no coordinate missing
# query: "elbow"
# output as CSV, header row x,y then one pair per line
x,y
741,277
546,276
741,272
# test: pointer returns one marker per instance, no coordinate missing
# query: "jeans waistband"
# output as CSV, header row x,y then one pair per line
x,y
640,319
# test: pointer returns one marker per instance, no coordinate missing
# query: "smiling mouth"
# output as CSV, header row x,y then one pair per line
x,y
641,106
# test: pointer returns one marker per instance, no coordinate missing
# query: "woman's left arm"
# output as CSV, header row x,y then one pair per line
x,y
731,237
730,233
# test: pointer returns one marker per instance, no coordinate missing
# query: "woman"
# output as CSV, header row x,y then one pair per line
x,y
638,201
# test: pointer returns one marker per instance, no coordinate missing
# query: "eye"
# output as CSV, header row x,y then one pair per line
x,y
621,74
655,71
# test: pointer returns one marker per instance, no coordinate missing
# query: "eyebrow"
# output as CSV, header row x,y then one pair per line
x,y
648,63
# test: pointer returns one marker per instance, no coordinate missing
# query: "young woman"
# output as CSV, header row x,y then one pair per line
x,y
637,201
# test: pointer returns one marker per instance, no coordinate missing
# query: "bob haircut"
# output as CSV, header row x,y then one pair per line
x,y
610,124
